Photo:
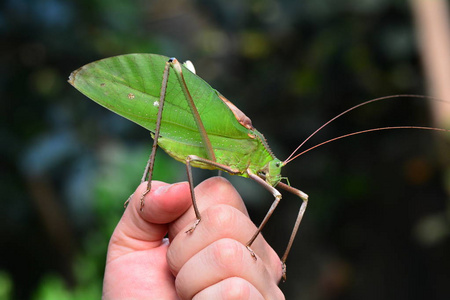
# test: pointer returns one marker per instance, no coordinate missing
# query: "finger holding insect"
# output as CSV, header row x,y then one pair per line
x,y
221,260
215,190
230,288
226,219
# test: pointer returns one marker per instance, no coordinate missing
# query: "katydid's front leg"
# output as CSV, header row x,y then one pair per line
x,y
301,212
277,196
269,213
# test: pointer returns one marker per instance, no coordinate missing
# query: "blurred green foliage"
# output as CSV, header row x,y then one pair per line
x,y
68,165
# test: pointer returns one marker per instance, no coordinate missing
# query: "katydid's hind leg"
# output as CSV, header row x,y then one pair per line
x,y
301,212
277,196
144,177
148,172
189,159
125,204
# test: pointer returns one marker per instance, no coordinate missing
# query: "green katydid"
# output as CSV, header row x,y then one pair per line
x,y
193,123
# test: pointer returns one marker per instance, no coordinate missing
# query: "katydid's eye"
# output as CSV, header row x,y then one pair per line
x,y
277,165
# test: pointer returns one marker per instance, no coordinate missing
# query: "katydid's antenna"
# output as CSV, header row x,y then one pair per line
x,y
364,131
292,157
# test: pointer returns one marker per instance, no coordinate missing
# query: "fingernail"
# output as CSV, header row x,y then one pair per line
x,y
165,188
161,189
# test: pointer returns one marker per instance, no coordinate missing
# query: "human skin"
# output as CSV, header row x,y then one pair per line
x,y
210,263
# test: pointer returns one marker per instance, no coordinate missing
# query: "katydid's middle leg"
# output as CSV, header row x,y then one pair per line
x,y
189,159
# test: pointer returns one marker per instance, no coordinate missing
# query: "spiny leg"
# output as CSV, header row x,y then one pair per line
x,y
301,212
189,159
277,196
269,213
148,172
191,188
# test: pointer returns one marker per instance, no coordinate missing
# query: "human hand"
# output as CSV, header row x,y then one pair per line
x,y
210,263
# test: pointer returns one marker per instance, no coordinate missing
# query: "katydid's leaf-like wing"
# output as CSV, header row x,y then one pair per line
x,y
130,85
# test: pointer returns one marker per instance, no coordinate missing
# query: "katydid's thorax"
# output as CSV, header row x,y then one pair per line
x,y
266,163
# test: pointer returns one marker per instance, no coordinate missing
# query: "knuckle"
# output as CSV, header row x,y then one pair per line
x,y
221,217
228,254
236,288
223,186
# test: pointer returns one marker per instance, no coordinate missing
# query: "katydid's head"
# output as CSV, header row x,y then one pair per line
x,y
273,171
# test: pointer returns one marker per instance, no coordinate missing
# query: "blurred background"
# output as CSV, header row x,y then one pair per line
x,y
377,225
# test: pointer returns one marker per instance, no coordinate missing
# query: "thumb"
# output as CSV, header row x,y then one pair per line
x,y
143,230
